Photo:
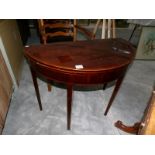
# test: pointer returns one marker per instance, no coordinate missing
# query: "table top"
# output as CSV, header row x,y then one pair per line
x,y
81,56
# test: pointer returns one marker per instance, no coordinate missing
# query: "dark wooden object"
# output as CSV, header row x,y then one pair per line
x,y
117,86
58,30
147,124
129,129
103,61
34,77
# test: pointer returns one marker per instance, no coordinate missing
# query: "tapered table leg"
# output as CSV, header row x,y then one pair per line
x,y
117,86
34,77
69,104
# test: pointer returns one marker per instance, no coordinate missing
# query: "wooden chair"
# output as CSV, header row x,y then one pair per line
x,y
53,30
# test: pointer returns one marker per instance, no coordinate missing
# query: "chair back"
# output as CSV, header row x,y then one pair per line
x,y
55,30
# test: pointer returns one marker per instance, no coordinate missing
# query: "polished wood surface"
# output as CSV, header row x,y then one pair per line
x,y
97,56
102,61
129,129
54,30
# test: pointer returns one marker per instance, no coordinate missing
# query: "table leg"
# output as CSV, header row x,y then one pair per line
x,y
117,86
69,104
34,77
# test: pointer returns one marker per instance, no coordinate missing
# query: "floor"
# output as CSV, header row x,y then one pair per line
x,y
24,117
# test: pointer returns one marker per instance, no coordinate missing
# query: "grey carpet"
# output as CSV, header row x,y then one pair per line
x,y
88,108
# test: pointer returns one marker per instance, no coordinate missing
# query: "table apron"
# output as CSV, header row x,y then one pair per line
x,y
101,77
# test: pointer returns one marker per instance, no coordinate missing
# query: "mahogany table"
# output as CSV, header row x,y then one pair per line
x,y
80,63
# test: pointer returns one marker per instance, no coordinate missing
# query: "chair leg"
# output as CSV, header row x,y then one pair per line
x,y
49,87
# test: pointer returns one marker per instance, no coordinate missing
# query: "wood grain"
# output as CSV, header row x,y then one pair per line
x,y
5,90
102,61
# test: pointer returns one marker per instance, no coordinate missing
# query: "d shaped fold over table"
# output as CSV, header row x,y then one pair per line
x,y
80,63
